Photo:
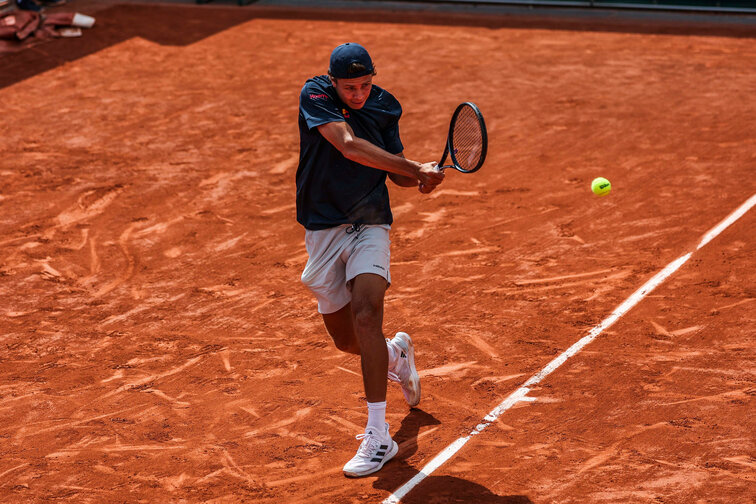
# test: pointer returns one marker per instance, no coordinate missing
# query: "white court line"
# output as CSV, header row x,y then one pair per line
x,y
521,393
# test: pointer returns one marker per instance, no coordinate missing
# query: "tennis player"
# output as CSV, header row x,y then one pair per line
x,y
349,145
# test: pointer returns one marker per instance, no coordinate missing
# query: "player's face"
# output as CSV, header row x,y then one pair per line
x,y
354,92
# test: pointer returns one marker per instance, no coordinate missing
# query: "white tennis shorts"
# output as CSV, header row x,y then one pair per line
x,y
337,255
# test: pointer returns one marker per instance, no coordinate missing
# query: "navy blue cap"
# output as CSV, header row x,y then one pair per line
x,y
346,54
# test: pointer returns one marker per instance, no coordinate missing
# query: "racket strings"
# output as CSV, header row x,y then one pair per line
x,y
467,139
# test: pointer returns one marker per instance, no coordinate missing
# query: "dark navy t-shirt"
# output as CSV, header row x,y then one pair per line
x,y
331,189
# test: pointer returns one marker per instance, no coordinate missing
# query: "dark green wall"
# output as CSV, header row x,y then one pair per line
x,y
691,3
732,5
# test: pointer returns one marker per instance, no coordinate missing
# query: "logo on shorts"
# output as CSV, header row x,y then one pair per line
x,y
379,266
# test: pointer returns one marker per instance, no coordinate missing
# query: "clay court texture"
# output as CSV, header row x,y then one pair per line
x,y
157,346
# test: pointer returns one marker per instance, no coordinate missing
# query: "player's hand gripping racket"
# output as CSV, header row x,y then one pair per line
x,y
467,142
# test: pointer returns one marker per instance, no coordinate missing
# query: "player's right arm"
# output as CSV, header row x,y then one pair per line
x,y
359,150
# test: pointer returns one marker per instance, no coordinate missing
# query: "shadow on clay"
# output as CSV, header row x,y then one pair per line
x,y
433,489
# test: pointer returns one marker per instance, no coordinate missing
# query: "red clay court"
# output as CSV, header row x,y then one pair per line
x,y
157,346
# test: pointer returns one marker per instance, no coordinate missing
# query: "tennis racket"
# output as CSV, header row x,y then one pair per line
x,y
467,142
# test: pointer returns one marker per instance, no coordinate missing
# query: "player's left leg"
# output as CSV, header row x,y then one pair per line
x,y
340,326
401,351
402,367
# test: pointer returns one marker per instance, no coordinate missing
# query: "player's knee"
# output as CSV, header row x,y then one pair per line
x,y
367,313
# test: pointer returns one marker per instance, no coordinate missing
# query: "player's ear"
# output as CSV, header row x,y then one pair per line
x,y
333,79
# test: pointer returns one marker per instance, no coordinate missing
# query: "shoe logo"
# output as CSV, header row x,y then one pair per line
x,y
380,454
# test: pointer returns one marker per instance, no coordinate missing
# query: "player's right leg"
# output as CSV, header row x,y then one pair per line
x,y
377,447
367,309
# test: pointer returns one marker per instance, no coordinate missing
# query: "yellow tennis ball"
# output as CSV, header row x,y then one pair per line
x,y
601,186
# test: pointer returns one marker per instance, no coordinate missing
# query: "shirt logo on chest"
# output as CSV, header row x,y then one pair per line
x,y
345,113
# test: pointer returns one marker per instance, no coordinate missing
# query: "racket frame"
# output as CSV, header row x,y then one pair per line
x,y
448,150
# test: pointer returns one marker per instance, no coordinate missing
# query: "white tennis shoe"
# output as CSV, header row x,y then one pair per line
x,y
375,450
404,371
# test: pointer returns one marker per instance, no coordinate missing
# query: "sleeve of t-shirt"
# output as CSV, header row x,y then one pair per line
x,y
317,107
391,138
391,132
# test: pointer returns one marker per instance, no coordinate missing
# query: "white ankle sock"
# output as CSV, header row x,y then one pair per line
x,y
377,416
393,354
